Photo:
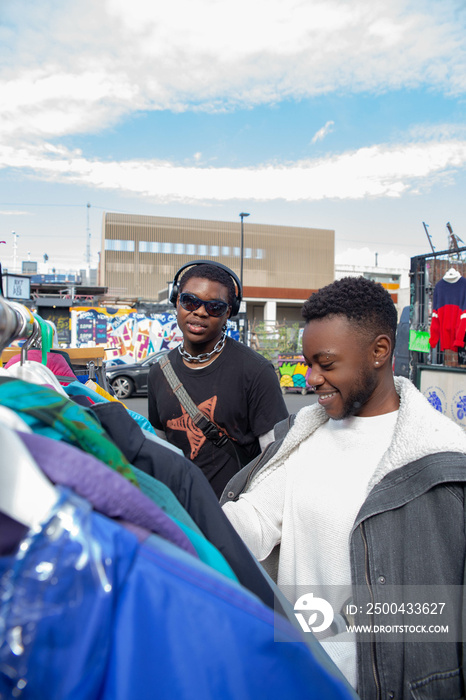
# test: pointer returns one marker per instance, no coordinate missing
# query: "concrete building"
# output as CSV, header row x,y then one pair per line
x,y
282,265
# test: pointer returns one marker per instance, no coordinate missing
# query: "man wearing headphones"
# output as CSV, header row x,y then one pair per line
x,y
235,388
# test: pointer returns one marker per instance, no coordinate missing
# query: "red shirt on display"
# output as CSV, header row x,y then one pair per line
x,y
449,315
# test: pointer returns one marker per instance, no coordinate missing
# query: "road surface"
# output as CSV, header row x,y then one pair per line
x,y
293,402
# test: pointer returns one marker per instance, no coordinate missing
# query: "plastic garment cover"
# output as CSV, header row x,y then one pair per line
x,y
87,612
44,588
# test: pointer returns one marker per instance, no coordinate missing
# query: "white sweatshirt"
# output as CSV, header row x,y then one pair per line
x,y
309,504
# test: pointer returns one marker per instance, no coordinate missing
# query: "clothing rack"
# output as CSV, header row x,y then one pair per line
x,y
439,374
425,271
89,361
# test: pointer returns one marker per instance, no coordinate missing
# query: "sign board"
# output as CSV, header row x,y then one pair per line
x,y
16,287
85,330
445,390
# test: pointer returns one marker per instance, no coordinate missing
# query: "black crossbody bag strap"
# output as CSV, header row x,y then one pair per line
x,y
209,429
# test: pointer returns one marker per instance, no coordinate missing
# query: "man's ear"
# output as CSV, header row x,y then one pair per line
x,y
381,350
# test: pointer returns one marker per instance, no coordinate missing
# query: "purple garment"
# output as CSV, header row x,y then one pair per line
x,y
108,492
11,534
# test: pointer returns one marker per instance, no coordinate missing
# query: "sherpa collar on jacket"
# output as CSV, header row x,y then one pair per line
x,y
420,430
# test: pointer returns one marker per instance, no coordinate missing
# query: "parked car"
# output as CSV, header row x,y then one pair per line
x,y
128,380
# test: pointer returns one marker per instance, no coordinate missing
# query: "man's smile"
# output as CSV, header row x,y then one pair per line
x,y
325,396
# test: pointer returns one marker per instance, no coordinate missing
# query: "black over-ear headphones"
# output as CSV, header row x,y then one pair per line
x,y
239,294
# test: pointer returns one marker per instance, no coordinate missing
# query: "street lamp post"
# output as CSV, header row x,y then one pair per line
x,y
242,215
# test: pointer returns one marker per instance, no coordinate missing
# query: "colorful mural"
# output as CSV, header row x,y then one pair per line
x,y
128,336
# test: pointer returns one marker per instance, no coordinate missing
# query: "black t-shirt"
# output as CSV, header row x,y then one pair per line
x,y
239,392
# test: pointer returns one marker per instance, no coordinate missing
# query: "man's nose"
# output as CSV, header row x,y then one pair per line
x,y
315,377
201,311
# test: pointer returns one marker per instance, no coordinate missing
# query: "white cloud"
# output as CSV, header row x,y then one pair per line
x,y
14,212
80,67
322,133
71,68
375,171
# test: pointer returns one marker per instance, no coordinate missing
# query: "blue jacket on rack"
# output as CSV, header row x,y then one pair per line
x,y
90,613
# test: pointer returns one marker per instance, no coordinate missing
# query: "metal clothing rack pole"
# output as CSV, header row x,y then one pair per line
x,y
16,321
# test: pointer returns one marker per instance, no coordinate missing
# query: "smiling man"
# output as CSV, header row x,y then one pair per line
x,y
233,386
362,493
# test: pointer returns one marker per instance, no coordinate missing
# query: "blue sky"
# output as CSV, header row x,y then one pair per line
x,y
322,113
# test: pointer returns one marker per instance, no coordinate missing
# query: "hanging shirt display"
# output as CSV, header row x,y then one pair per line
x,y
449,315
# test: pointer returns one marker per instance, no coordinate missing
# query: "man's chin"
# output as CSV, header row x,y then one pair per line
x,y
346,412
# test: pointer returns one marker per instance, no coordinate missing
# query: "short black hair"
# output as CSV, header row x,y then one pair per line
x,y
364,302
213,273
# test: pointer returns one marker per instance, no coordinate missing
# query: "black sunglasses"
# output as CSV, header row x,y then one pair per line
x,y
215,307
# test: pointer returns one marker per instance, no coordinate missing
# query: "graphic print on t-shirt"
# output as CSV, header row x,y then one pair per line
x,y
194,434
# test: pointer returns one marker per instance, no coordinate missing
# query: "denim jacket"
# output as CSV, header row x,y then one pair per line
x,y
410,532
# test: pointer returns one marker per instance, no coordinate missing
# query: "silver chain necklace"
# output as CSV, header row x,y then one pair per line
x,y
205,356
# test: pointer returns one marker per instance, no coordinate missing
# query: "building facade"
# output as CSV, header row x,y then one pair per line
x,y
282,265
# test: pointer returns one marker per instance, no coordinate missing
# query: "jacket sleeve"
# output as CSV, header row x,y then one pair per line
x,y
460,332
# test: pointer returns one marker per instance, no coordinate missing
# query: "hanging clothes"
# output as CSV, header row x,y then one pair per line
x,y
449,315
55,362
58,417
114,496
108,492
191,488
76,389
156,623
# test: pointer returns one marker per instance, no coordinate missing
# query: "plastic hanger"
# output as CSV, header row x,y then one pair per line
x,y
26,495
451,275
45,338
